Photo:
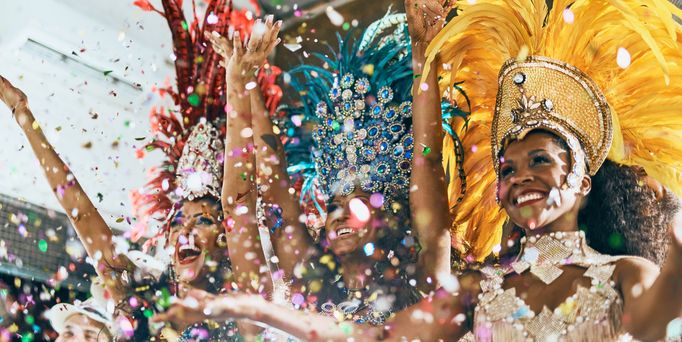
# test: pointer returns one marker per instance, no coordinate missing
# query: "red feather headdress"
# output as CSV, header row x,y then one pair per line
x,y
199,93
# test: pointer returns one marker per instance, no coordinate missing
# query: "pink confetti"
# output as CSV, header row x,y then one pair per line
x,y
359,210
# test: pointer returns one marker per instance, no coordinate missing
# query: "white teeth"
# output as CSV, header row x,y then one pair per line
x,y
343,231
191,247
529,197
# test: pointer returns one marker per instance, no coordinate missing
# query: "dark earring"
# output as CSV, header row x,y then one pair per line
x,y
221,241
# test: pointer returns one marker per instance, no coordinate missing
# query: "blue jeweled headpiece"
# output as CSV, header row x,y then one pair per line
x,y
362,114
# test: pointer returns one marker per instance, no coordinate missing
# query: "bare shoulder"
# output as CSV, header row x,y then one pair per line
x,y
633,270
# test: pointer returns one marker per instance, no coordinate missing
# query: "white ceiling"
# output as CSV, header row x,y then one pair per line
x,y
64,96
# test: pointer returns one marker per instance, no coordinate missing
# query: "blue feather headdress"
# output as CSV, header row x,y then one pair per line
x,y
360,108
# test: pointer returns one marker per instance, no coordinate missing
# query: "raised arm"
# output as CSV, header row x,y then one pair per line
x,y
440,317
290,239
238,196
91,228
652,298
428,191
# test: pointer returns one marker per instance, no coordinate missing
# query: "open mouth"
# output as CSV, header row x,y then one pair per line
x,y
344,232
187,253
528,198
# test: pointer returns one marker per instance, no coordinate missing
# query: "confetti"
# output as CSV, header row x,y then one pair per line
x,y
334,17
368,249
359,210
194,100
568,16
292,48
42,246
623,58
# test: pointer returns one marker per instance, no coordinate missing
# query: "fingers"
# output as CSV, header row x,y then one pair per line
x,y
237,47
220,44
257,34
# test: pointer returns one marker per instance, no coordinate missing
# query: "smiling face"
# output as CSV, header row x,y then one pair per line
x,y
352,222
532,183
194,232
79,327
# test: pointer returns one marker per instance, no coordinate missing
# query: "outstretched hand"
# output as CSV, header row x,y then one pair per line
x,y
242,56
199,305
425,18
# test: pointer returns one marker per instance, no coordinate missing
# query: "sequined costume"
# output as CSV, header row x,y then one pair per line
x,y
191,135
591,314
605,77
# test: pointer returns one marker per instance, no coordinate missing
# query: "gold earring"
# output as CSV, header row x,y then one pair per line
x,y
221,241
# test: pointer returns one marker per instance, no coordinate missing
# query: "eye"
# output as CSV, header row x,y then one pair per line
x,y
332,207
176,223
506,171
203,220
539,160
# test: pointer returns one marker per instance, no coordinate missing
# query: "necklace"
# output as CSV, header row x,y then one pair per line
x,y
543,254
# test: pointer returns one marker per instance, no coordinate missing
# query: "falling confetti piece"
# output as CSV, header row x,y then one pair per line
x,y
568,16
623,58
193,100
376,200
369,249
368,69
426,150
293,47
107,72
334,17
212,19
42,245
251,85
359,210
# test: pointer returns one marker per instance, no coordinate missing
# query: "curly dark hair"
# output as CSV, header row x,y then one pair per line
x,y
623,216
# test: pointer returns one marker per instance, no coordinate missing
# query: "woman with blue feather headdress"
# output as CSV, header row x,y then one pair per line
x,y
351,145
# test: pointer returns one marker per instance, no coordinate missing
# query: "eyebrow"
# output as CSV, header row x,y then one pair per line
x,y
537,150
180,215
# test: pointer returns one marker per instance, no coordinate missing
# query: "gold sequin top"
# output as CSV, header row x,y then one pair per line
x,y
591,314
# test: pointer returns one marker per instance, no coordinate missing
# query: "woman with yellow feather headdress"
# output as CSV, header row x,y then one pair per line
x,y
630,50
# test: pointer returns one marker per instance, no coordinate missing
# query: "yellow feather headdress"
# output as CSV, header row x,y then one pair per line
x,y
630,50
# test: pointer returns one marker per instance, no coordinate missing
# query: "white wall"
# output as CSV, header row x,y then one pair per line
x,y
107,35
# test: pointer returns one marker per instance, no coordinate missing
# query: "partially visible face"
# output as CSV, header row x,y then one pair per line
x,y
193,232
79,327
532,182
352,222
